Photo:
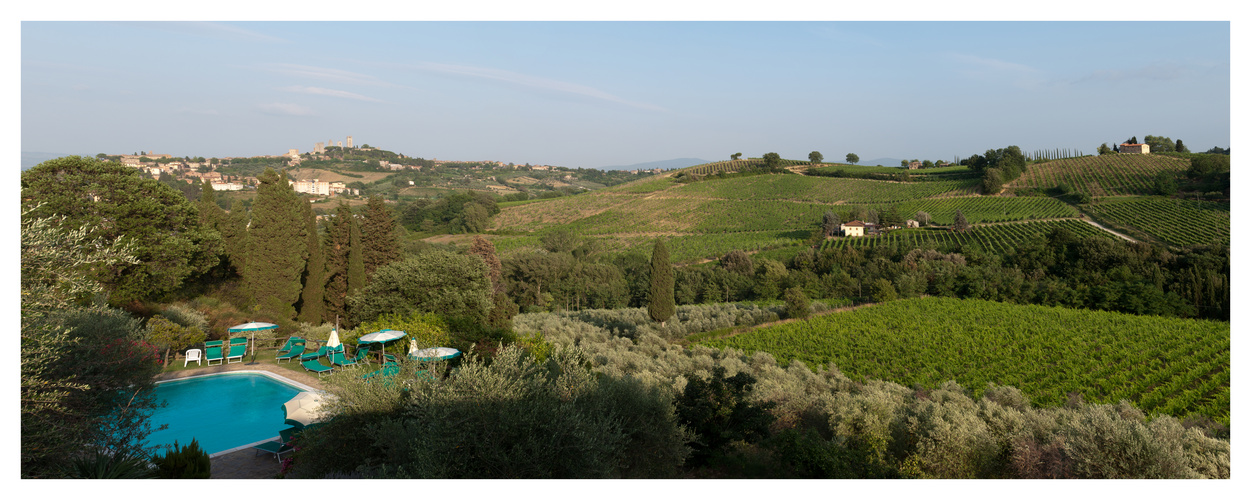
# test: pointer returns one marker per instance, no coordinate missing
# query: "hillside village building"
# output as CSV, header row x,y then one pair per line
x,y
318,187
853,228
1141,149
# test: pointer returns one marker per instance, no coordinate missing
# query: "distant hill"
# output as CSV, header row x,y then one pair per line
x,y
32,158
665,164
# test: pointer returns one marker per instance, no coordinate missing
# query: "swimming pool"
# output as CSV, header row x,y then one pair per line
x,y
221,411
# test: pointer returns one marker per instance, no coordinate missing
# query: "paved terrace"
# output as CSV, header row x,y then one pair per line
x,y
245,464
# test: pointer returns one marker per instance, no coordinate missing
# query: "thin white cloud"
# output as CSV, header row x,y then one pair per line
x,y
530,81
330,74
994,65
986,69
328,92
285,109
1155,71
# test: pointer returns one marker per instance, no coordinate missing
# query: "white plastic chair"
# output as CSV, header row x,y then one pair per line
x,y
192,355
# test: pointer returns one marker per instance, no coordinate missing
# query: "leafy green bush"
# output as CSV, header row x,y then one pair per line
x,y
797,304
102,465
719,412
186,462
512,418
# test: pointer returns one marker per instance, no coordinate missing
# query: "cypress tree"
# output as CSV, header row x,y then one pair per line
x,y
356,260
661,305
381,245
338,241
234,231
313,298
486,251
274,265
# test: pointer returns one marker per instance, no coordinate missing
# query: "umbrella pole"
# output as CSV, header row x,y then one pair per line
x,y
253,348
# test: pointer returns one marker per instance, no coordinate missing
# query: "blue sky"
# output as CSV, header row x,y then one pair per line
x,y
595,94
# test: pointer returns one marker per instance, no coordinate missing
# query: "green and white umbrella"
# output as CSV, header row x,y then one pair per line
x,y
382,337
433,353
252,326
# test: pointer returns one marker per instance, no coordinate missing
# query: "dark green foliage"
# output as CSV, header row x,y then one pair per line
x,y
806,455
852,158
797,304
486,251
277,248
960,223
1165,183
313,297
338,252
815,157
772,161
830,223
114,201
234,232
455,285
356,277
185,462
380,243
883,291
459,212
560,240
660,305
992,181
101,465
719,411
502,311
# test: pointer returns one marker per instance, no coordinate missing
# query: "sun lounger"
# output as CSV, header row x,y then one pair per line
x,y
291,343
295,352
283,445
315,366
238,348
213,352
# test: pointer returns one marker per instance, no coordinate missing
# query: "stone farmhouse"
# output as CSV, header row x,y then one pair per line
x,y
1141,149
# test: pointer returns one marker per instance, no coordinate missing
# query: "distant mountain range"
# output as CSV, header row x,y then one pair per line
x,y
665,164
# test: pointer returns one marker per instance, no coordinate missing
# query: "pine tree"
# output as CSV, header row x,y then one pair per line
x,y
338,241
274,264
313,298
960,223
661,305
381,245
486,251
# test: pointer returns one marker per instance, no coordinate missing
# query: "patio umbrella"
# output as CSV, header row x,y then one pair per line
x,y
334,339
304,409
434,353
252,326
382,337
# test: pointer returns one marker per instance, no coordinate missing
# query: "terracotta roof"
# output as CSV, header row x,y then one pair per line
x,y
854,223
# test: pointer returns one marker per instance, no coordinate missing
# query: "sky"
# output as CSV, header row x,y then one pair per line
x,y
597,94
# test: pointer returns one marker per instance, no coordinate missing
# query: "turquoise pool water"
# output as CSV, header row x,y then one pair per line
x,y
221,411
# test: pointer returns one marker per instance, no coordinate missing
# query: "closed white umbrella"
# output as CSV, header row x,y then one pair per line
x,y
334,339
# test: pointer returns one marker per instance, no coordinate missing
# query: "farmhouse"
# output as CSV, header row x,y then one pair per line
x,y
912,223
913,165
1141,149
853,228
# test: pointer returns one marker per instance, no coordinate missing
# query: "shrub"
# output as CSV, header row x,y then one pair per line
x,y
797,304
718,412
187,462
102,465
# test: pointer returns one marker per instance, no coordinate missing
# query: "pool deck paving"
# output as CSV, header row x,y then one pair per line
x,y
245,463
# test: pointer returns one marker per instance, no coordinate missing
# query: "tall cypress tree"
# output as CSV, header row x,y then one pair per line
x,y
960,223
661,305
234,231
356,260
275,265
486,251
338,245
313,298
380,243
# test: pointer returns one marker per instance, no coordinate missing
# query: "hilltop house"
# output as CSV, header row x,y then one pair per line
x,y
913,165
1142,149
853,228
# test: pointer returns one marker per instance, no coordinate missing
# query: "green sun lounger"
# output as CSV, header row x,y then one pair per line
x,y
296,351
291,343
315,366
213,352
283,445
238,348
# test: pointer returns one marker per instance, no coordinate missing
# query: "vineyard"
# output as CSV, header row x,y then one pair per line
x,y
1176,222
1162,365
732,166
823,189
992,238
1103,175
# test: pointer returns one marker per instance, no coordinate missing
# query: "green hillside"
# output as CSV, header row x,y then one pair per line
x,y
1103,175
